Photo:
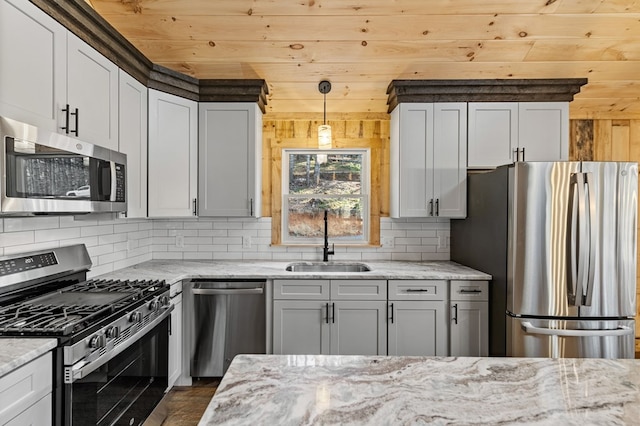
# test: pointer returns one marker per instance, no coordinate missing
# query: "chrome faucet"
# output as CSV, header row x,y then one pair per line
x,y
325,250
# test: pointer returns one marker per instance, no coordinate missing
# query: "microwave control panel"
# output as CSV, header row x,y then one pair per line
x,y
121,182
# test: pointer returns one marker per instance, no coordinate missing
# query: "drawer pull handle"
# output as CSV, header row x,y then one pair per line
x,y
418,290
475,290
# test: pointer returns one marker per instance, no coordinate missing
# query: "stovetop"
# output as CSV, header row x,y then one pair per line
x,y
76,307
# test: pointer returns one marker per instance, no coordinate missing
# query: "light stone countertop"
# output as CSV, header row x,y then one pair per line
x,y
15,352
377,390
176,270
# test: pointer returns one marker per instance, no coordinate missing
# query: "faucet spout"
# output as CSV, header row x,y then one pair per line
x,y
325,249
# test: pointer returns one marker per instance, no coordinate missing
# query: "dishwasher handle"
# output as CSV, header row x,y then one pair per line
x,y
219,291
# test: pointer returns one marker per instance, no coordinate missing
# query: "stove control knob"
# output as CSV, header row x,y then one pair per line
x,y
135,317
153,305
98,341
112,332
165,301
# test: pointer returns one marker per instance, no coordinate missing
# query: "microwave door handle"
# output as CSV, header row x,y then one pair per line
x,y
622,330
114,181
590,210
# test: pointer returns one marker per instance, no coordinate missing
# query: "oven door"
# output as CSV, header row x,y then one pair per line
x,y
125,389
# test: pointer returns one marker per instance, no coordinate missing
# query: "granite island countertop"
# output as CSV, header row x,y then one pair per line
x,y
378,390
177,270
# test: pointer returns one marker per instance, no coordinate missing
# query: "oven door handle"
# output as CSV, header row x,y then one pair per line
x,y
82,368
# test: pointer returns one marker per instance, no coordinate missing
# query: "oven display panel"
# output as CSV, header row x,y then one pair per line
x,y
20,264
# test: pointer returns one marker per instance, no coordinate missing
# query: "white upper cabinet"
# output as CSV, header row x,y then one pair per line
x,y
428,160
173,155
133,142
44,68
230,156
92,94
543,131
493,133
504,132
33,64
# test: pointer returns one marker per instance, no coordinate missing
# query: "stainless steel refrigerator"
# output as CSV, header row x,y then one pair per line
x,y
559,239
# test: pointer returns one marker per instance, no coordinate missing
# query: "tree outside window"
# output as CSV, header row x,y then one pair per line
x,y
332,180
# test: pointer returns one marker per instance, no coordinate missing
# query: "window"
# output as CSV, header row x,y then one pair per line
x,y
333,180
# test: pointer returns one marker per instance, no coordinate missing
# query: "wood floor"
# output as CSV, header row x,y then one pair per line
x,y
186,404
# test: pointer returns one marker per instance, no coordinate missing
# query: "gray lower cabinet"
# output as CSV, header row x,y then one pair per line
x,y
341,317
417,318
26,393
469,314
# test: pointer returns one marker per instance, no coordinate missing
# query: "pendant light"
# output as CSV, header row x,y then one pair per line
x,y
324,131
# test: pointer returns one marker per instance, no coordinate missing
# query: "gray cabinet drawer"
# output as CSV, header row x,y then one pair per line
x,y
301,289
469,290
417,289
358,289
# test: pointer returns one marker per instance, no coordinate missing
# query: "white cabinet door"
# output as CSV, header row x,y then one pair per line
x,y
33,64
449,162
301,327
358,328
543,131
230,167
469,318
428,160
39,414
417,328
411,150
469,328
133,142
493,134
173,148
175,341
92,88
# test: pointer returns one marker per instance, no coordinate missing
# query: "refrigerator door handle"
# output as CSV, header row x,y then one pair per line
x,y
576,258
622,330
590,207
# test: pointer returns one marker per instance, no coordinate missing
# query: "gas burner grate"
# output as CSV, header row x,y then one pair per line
x,y
74,308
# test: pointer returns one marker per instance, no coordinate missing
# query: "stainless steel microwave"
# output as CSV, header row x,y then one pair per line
x,y
50,173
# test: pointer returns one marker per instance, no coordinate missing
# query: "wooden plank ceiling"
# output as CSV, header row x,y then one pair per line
x,y
361,45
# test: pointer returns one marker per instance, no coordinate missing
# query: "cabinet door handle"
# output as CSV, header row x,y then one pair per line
x,y
523,154
437,206
333,313
327,317
195,207
251,207
473,290
455,314
417,290
76,113
431,207
66,119
391,318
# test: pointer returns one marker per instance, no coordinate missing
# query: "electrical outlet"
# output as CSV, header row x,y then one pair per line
x,y
246,242
180,241
387,242
444,242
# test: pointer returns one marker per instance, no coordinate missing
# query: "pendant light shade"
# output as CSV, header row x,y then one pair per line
x,y
324,130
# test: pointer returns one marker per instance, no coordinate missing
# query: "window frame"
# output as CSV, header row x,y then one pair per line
x,y
365,195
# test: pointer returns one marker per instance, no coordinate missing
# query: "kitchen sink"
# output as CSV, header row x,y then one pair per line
x,y
327,267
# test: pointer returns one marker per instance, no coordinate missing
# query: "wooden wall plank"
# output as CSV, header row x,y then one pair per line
x,y
581,140
602,138
620,140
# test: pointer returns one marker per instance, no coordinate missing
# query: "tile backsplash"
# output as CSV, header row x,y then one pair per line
x,y
117,243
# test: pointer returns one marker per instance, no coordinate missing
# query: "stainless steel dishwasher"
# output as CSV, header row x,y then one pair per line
x,y
225,318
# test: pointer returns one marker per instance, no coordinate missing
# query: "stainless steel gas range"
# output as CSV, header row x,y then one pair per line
x,y
110,364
